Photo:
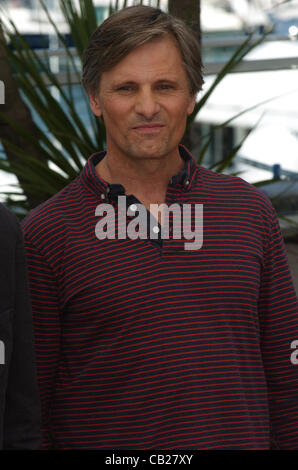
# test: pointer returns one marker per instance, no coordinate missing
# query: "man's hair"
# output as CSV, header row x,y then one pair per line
x,y
130,28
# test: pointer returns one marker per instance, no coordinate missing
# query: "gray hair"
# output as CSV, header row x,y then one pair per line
x,y
129,28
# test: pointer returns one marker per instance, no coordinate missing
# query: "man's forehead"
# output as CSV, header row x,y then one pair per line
x,y
161,56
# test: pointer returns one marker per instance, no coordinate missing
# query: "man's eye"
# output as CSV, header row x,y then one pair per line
x,y
125,88
165,86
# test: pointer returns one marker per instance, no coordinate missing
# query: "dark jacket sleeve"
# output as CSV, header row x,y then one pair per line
x,y
21,420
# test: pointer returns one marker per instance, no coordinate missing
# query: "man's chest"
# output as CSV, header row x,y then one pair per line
x,y
106,278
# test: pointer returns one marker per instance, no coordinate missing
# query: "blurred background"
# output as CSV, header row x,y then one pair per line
x,y
245,122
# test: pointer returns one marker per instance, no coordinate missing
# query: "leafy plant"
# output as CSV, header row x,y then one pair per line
x,y
66,138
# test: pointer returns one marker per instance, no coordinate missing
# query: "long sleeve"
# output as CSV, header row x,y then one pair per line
x,y
279,330
22,404
46,319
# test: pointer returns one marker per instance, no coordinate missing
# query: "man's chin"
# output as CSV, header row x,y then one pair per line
x,y
150,152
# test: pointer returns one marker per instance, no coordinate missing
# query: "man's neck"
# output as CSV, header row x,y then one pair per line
x,y
146,179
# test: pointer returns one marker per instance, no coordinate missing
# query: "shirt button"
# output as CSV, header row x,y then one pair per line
x,y
155,229
103,196
186,183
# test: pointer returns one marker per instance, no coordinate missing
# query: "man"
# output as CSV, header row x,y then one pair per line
x,y
143,340
19,397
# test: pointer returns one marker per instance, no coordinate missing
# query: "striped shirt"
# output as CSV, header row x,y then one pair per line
x,y
143,344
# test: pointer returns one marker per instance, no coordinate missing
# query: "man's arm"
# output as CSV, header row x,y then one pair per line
x,y
46,319
22,407
279,329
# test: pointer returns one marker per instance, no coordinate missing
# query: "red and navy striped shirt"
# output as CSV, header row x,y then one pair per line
x,y
143,344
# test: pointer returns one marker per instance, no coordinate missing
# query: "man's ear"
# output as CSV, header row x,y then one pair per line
x,y
191,104
95,105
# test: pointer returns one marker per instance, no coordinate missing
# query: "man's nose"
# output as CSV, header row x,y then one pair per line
x,y
147,104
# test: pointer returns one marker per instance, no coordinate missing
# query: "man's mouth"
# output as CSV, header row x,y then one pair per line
x,y
149,128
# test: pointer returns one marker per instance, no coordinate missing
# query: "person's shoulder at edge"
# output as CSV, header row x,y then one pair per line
x,y
9,223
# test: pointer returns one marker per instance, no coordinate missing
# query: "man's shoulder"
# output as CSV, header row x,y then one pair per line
x,y
214,178
50,215
231,187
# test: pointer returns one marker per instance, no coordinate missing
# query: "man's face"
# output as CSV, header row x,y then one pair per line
x,y
145,100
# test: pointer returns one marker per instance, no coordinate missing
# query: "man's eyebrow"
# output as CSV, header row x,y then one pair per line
x,y
172,81
120,83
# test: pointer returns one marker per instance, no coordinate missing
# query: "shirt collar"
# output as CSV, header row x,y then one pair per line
x,y
96,184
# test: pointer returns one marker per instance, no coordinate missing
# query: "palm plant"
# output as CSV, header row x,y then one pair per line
x,y
66,138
